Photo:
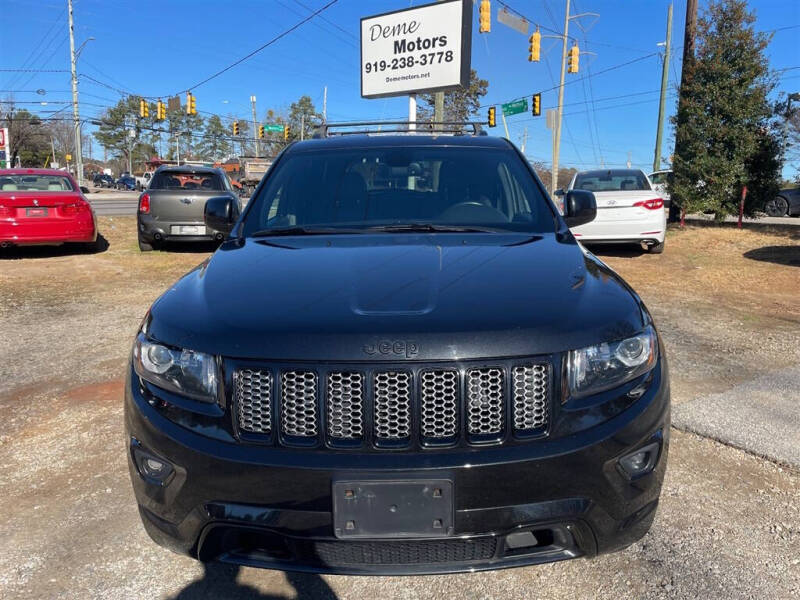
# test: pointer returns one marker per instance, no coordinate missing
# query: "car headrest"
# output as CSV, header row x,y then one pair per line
x,y
54,187
9,187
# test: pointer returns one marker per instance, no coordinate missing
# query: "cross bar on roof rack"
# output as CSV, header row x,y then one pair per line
x,y
455,127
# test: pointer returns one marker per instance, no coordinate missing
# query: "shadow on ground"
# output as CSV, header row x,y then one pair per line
x,y
780,255
19,252
219,581
616,250
188,247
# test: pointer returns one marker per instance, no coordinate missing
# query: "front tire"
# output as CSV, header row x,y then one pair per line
x,y
777,207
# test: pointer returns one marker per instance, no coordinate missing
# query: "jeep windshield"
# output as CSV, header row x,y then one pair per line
x,y
444,189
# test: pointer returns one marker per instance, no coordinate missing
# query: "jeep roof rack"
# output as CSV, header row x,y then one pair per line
x,y
324,130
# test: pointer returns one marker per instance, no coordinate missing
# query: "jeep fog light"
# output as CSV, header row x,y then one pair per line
x,y
640,462
151,468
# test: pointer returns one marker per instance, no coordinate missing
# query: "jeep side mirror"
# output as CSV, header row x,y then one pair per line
x,y
580,207
559,192
220,214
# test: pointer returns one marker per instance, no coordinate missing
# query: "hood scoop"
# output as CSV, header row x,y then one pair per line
x,y
382,287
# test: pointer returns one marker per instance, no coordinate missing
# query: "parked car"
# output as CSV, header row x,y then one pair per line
x,y
628,209
171,209
785,204
104,181
143,180
126,182
400,361
44,207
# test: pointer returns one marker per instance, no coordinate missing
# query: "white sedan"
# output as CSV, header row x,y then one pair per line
x,y
628,209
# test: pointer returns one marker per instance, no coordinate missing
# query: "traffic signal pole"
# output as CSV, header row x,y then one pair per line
x,y
664,81
255,126
557,141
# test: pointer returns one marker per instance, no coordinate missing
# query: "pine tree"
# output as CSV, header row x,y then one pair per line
x,y
725,137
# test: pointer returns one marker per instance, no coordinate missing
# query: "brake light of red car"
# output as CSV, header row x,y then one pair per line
x,y
144,204
74,208
652,204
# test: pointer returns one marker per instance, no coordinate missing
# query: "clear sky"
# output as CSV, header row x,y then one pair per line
x,y
155,48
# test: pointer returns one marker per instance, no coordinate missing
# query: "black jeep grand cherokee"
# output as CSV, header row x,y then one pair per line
x,y
400,361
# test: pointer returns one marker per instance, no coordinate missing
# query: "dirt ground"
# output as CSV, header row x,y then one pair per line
x,y
725,301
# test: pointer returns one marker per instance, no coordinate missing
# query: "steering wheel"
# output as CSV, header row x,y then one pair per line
x,y
472,211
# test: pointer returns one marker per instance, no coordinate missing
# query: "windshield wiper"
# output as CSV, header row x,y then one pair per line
x,y
299,230
435,228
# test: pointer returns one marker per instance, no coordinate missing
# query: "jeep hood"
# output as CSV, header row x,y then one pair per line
x,y
392,297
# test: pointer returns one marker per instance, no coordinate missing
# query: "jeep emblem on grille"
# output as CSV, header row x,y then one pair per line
x,y
405,348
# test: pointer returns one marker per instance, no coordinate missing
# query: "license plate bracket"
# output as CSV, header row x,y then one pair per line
x,y
393,508
36,212
188,230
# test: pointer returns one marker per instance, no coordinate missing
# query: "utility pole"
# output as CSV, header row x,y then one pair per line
x,y
664,82
524,140
412,112
557,143
688,39
75,114
302,127
255,126
325,105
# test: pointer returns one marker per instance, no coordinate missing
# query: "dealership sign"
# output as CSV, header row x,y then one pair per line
x,y
422,49
5,150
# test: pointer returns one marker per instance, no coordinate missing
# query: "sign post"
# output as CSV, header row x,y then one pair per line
x,y
416,50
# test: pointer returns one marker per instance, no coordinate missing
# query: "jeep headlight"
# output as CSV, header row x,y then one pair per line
x,y
610,364
185,372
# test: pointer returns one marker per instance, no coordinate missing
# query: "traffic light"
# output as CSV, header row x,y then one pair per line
x,y
285,132
485,16
260,131
536,109
191,104
492,116
161,111
572,64
534,46
235,127
144,110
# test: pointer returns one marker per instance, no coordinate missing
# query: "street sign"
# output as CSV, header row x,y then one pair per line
x,y
551,115
505,17
274,128
421,49
516,107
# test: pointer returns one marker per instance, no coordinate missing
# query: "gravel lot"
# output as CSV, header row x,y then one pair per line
x,y
728,525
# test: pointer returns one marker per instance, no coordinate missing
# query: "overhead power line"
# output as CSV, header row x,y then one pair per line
x,y
280,36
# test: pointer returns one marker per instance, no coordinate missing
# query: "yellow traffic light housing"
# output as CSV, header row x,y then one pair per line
x,y
285,132
572,64
485,18
260,131
535,46
144,110
492,116
536,105
191,104
161,111
235,128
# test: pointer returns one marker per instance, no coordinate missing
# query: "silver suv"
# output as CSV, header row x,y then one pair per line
x,y
171,208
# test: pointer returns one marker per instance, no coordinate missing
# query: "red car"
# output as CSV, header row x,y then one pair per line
x,y
43,206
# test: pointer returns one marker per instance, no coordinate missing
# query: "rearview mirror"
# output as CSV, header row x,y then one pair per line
x,y
580,207
220,214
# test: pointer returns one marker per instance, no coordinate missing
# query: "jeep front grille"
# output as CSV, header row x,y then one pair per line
x,y
345,405
253,390
299,403
393,407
